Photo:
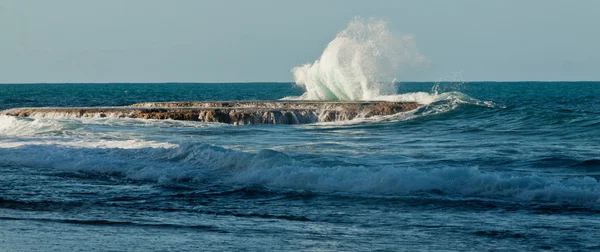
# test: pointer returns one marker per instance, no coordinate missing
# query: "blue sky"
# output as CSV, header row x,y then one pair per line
x,y
261,40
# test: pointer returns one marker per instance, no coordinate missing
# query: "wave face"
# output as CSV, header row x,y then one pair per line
x,y
359,64
200,163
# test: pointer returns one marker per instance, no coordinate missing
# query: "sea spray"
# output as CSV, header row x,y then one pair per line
x,y
359,64
450,83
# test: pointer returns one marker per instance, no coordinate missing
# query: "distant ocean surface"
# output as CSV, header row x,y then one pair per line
x,y
483,166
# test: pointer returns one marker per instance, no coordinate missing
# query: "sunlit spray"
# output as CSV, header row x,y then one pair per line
x,y
359,64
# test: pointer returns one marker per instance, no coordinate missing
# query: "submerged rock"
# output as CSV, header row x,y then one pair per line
x,y
231,112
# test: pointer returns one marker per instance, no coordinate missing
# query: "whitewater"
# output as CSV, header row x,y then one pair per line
x,y
479,166
360,63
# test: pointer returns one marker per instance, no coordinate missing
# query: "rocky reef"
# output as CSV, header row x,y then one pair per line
x,y
231,112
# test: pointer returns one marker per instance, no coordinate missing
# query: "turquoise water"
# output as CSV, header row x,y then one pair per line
x,y
489,165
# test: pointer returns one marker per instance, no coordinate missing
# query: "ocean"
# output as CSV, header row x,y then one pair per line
x,y
481,166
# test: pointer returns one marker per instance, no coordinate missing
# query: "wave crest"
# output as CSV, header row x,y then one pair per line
x,y
203,163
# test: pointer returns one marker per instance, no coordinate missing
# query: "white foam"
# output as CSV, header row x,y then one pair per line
x,y
429,98
89,143
15,126
135,122
418,97
359,64
12,126
434,104
17,132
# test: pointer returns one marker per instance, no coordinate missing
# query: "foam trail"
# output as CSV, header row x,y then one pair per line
x,y
359,64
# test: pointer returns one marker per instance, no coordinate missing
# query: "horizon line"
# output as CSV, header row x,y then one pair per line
x,y
291,82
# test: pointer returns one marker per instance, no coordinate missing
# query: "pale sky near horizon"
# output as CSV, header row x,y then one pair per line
x,y
262,40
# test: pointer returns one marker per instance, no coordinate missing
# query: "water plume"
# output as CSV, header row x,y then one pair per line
x,y
359,64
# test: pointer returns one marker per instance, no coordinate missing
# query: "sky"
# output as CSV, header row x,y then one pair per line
x,y
75,41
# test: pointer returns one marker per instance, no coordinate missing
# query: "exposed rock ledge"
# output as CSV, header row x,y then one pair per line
x,y
232,112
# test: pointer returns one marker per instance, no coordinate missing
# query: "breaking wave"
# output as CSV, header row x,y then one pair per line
x,y
359,64
203,163
72,133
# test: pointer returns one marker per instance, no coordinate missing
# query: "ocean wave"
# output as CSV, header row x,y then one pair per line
x,y
590,163
203,163
14,126
464,182
434,104
101,144
20,126
17,132
103,222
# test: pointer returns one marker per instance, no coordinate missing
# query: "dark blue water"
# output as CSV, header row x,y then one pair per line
x,y
484,166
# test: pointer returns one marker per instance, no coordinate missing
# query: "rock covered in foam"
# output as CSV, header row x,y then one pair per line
x,y
231,112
